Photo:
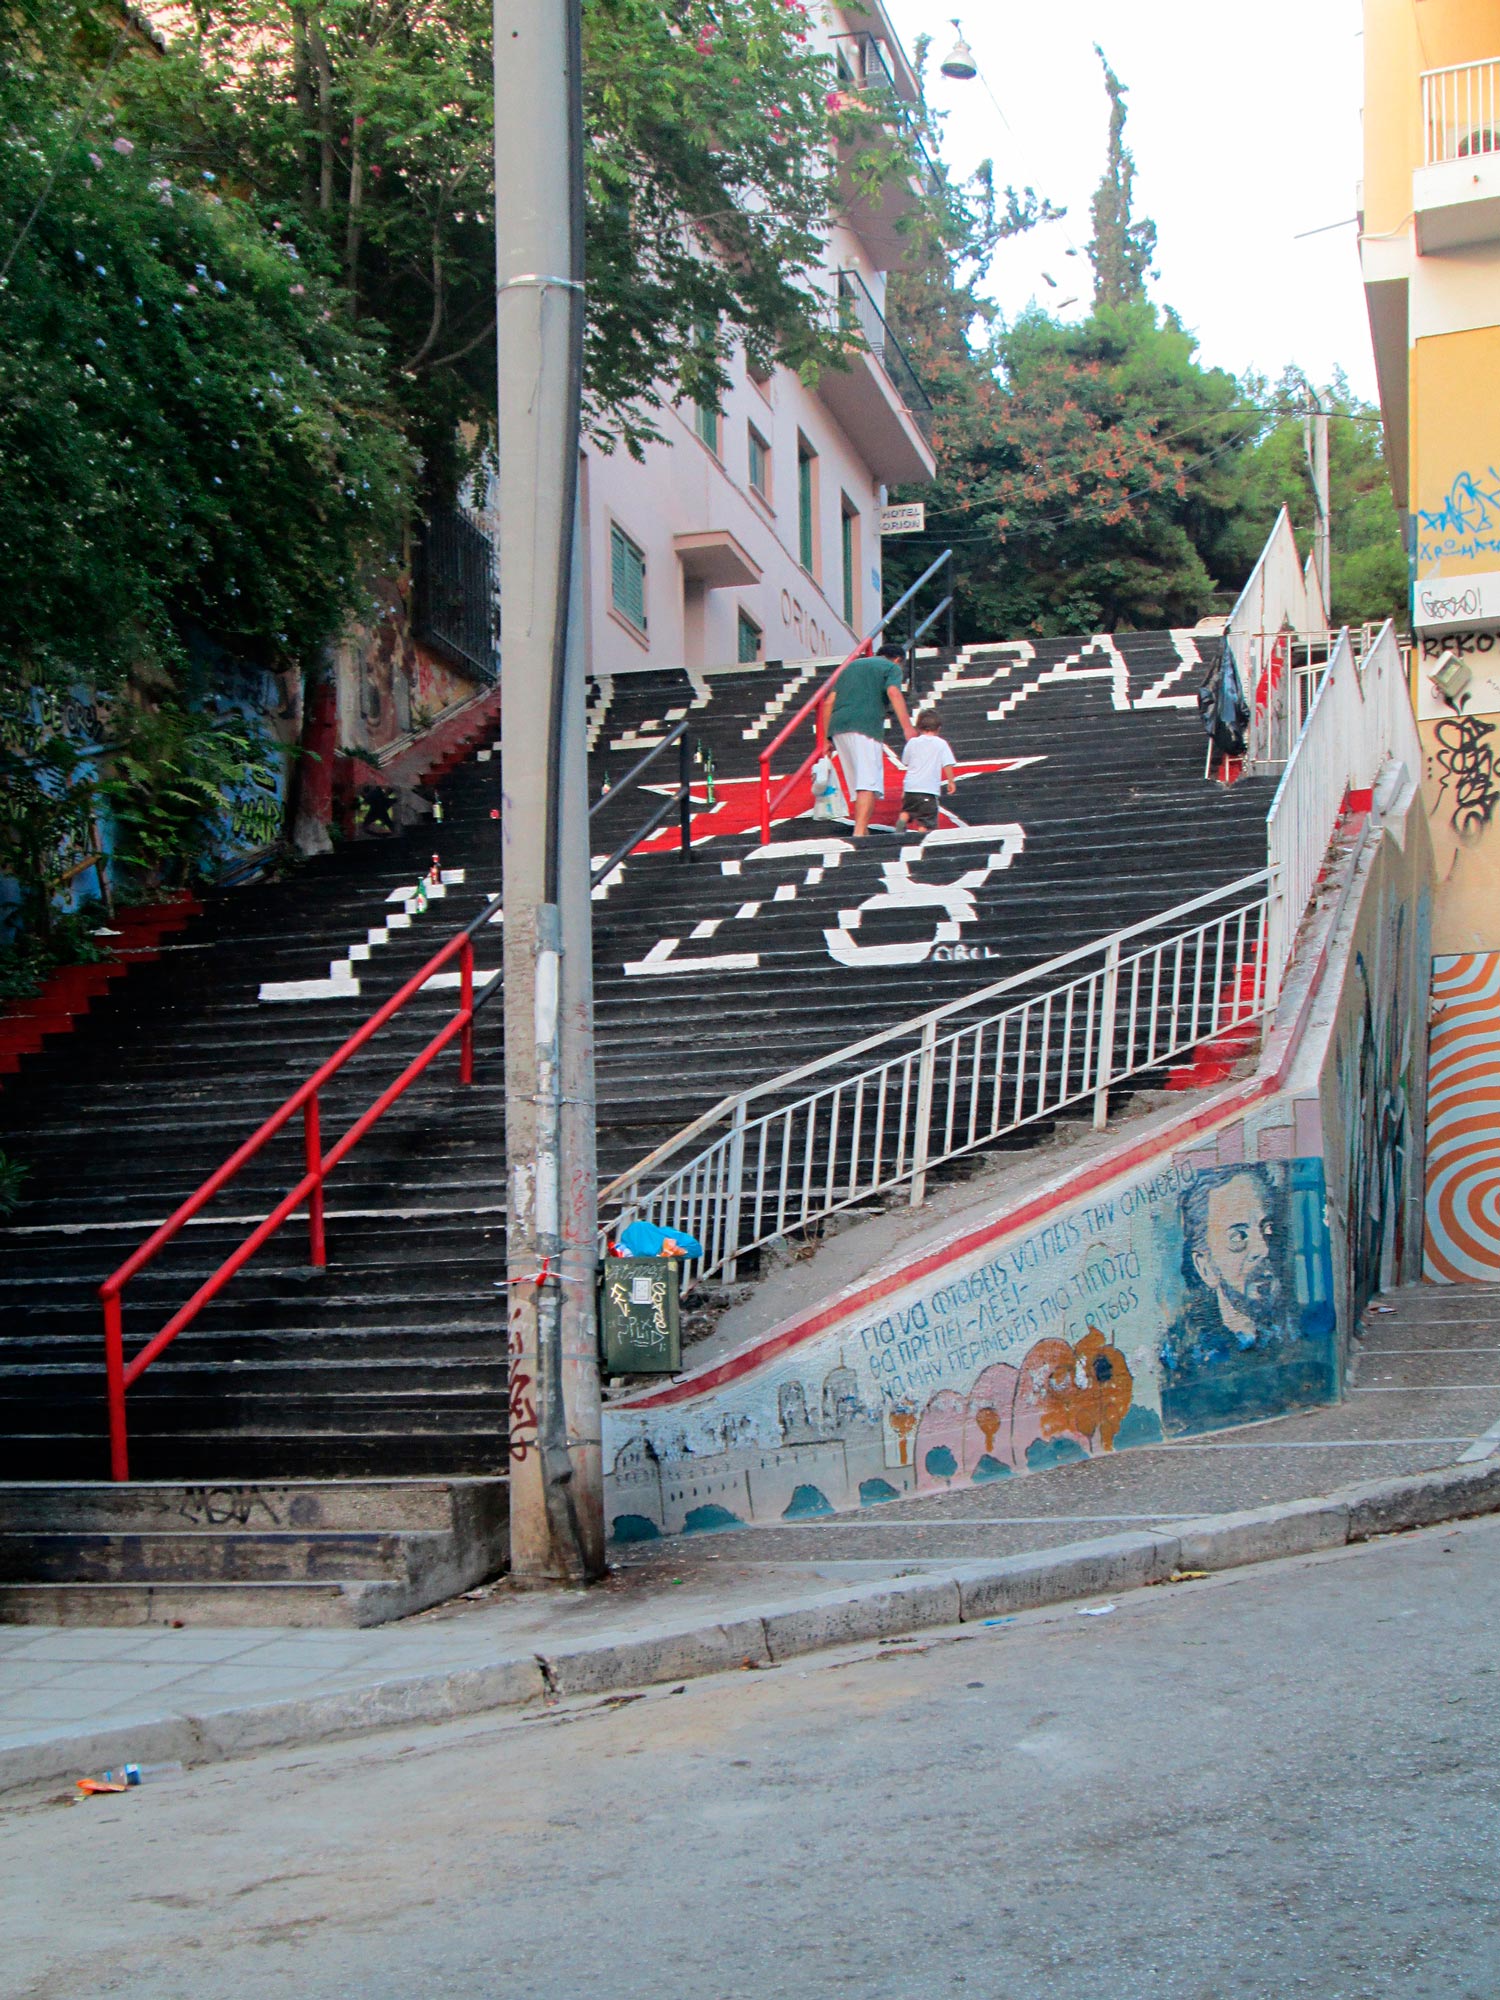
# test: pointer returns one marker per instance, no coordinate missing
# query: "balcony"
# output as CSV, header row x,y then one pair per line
x,y
865,74
457,602
877,398
1456,190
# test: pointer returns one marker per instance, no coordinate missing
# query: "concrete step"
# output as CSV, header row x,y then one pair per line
x,y
311,1553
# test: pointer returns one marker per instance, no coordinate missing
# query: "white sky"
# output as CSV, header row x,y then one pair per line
x,y
1244,123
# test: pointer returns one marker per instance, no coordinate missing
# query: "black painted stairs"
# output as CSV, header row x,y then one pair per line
x,y
386,1372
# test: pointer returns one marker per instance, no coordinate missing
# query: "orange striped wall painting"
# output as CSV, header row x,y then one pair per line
x,y
1462,1244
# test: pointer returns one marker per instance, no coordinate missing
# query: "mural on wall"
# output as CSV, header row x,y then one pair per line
x,y
1460,733
1198,1295
1462,1236
1373,1065
402,684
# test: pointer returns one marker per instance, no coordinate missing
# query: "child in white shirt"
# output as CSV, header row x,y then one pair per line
x,y
929,763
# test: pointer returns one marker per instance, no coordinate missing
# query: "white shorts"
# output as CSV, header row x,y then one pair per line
x,y
863,759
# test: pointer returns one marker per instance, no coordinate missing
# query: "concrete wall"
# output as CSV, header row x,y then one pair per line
x,y
1370,1052
1205,1275
1462,1242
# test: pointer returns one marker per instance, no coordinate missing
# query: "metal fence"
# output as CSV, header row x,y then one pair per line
x,y
1361,717
457,603
858,311
1461,111
776,1159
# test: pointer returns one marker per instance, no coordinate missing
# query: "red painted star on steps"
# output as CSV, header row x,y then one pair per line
x,y
736,806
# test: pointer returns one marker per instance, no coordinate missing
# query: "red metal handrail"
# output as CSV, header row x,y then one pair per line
x,y
120,1374
769,801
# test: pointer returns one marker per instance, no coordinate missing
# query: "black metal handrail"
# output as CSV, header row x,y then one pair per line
x,y
859,312
682,799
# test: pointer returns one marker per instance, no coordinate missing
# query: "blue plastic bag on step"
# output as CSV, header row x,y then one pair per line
x,y
644,1239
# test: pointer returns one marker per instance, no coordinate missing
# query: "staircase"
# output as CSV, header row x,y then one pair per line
x,y
386,1372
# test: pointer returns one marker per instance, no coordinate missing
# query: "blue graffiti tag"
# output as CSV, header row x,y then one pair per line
x,y
1467,509
1468,521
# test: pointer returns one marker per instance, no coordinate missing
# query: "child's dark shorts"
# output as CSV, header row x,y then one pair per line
x,y
921,808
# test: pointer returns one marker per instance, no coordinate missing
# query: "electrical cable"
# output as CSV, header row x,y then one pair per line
x,y
574,297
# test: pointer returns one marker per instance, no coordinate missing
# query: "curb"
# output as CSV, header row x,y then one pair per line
x,y
846,1616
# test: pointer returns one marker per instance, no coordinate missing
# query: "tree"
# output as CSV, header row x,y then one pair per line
x,y
1082,480
195,439
1369,562
199,456
716,147
1121,248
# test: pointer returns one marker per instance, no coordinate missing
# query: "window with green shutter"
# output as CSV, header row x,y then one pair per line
x,y
749,648
846,551
760,463
806,522
627,578
706,421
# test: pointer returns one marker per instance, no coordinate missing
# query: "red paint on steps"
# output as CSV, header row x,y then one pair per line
x,y
72,989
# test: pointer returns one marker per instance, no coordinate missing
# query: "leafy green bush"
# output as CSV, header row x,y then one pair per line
x,y
171,774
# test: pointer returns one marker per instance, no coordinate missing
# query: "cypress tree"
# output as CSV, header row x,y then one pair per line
x,y
1121,249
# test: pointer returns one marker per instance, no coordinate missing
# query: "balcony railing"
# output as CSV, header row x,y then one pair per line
x,y
1461,111
859,313
457,604
863,69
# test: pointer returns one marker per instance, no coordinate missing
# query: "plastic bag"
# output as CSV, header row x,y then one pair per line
x,y
827,802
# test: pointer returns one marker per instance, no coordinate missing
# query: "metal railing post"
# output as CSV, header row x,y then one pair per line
x,y
1105,1060
736,1177
1275,935
685,783
926,1067
114,1372
312,1145
466,1007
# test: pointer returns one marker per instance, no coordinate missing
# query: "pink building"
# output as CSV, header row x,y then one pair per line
x,y
753,532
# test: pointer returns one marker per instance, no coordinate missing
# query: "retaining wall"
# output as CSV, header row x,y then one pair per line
x,y
1204,1273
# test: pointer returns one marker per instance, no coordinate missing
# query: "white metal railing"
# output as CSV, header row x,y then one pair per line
x,y
1461,111
1279,598
775,1159
1361,718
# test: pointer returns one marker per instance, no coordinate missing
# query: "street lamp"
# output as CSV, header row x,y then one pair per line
x,y
959,63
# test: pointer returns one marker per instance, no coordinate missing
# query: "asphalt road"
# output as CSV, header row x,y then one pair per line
x,y
1278,1782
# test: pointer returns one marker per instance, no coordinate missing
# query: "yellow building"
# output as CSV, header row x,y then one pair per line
x,y
1430,248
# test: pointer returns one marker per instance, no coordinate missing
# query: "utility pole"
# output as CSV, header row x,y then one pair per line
x,y
1315,444
556,1486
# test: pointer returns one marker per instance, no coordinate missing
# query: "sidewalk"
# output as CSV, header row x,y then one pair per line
x,y
1417,1439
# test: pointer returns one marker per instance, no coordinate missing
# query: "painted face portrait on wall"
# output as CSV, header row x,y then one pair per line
x,y
1244,1345
1235,1248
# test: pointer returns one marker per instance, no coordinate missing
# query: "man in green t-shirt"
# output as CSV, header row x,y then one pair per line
x,y
854,717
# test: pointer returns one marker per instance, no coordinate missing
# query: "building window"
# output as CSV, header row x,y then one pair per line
x,y
627,578
760,373
807,506
750,636
760,464
849,558
707,422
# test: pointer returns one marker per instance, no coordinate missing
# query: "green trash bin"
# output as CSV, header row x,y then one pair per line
x,y
639,1333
